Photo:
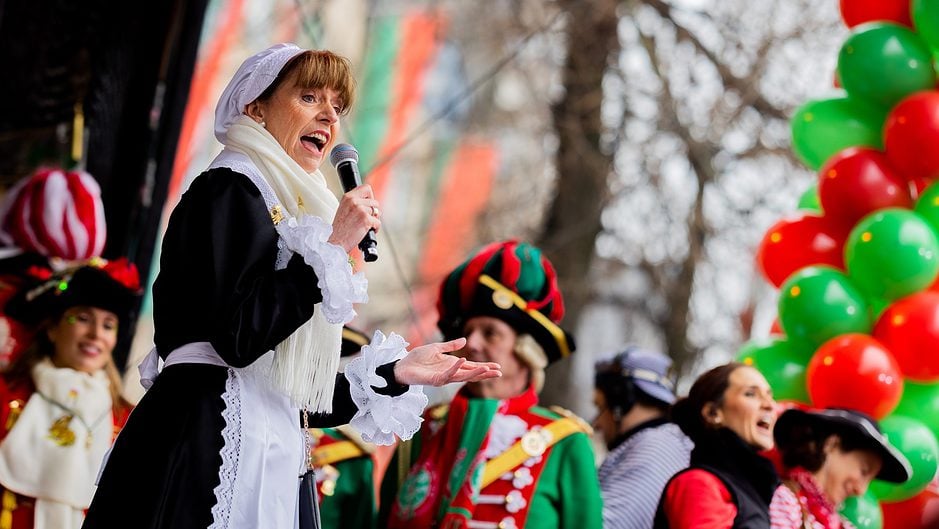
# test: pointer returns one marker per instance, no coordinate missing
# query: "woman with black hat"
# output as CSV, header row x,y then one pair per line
x,y
829,455
61,400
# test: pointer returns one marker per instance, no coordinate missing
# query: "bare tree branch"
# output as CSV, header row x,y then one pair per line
x,y
730,80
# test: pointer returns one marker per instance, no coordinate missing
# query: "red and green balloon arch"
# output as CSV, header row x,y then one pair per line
x,y
857,267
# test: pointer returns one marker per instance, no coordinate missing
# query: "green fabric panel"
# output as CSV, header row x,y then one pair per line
x,y
544,412
444,153
353,504
567,493
531,280
475,427
370,123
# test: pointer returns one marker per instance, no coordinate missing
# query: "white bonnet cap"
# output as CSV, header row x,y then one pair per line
x,y
253,77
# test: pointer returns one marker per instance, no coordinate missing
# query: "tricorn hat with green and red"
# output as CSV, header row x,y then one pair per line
x,y
511,281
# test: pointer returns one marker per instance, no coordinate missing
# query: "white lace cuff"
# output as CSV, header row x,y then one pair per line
x,y
341,288
381,417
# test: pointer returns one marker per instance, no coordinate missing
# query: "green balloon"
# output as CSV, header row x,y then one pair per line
x,y
818,303
809,200
925,15
884,62
920,400
927,206
822,127
782,363
863,511
892,253
915,441
878,306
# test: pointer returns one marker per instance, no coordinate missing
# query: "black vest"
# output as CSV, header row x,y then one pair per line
x,y
750,478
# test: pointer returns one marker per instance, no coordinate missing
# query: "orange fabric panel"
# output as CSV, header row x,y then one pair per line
x,y
465,192
419,43
200,91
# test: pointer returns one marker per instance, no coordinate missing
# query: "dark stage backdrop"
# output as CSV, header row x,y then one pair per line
x,y
126,67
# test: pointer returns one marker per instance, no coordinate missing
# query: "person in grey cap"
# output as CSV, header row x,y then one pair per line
x,y
633,393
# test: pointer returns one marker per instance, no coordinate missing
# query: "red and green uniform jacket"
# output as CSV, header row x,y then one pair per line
x,y
500,464
344,480
16,510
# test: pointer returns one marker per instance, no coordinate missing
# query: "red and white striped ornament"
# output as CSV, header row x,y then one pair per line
x,y
55,213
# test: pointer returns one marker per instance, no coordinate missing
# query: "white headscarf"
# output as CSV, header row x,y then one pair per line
x,y
249,82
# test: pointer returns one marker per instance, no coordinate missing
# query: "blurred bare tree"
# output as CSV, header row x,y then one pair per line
x,y
672,159
703,157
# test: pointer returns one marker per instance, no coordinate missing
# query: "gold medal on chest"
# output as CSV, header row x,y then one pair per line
x,y
533,443
330,477
61,433
277,215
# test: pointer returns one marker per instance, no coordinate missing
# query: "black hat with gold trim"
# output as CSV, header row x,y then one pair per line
x,y
109,285
511,281
353,340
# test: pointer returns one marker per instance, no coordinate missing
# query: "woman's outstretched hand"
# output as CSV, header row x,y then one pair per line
x,y
430,365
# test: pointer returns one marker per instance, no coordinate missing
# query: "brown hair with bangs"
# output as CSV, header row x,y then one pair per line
x,y
318,69
709,388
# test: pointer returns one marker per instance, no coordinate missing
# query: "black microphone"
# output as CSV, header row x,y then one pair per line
x,y
345,159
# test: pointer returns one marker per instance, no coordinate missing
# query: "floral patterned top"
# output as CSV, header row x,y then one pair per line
x,y
801,504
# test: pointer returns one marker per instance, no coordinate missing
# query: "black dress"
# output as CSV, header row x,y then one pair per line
x,y
172,465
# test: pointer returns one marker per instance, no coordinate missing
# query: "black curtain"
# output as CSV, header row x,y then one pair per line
x,y
129,65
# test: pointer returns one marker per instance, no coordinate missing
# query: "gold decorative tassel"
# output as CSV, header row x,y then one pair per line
x,y
16,408
78,133
9,505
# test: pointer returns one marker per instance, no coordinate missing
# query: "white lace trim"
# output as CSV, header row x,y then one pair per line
x,y
241,164
307,236
231,434
381,417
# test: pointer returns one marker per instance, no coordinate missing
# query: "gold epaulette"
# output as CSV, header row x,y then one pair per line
x,y
353,435
337,452
439,411
564,412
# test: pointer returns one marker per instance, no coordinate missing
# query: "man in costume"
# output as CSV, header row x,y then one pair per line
x,y
492,458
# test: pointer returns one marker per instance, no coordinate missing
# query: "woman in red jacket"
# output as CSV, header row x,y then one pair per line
x,y
729,414
60,402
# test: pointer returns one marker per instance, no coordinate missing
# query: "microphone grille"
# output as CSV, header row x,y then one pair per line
x,y
343,152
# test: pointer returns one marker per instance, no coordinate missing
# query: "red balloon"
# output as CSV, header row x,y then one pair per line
x,y
917,186
911,134
854,371
797,242
919,512
909,328
855,12
858,181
